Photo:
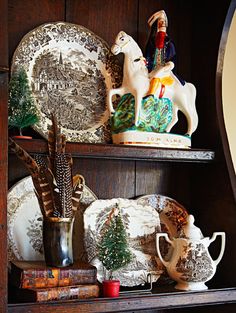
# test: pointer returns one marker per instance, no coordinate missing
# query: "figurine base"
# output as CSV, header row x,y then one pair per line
x,y
150,139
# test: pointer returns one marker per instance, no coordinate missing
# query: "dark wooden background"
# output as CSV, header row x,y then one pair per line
x,y
3,152
195,27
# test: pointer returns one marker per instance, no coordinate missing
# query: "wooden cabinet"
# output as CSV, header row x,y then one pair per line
x,y
3,153
197,178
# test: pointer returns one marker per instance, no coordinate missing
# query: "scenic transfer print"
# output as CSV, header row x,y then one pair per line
x,y
70,70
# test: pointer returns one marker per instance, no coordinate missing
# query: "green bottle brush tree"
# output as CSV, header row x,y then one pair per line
x,y
22,111
113,249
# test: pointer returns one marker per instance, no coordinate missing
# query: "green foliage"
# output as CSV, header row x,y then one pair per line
x,y
22,111
113,249
155,115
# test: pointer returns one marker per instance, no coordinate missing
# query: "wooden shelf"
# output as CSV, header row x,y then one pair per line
x,y
110,151
138,302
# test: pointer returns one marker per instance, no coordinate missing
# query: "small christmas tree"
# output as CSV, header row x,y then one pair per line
x,y
113,249
22,111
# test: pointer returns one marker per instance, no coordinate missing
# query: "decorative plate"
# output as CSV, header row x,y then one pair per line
x,y
25,223
172,214
70,70
142,223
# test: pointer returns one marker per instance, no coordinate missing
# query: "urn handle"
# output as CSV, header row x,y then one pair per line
x,y
222,234
165,235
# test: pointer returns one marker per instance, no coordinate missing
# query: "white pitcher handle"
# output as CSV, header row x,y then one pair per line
x,y
222,234
158,235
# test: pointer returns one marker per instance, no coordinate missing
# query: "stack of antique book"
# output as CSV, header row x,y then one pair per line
x,y
33,281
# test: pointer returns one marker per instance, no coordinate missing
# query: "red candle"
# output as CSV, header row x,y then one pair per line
x,y
111,288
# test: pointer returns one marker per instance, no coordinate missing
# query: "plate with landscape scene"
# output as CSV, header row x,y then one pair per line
x,y
141,223
24,216
70,70
173,216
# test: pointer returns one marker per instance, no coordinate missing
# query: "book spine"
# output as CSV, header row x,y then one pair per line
x,y
77,292
56,277
61,293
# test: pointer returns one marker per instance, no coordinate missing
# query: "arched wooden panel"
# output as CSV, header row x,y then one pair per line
x,y
219,94
3,154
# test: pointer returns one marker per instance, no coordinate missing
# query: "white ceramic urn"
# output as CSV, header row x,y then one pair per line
x,y
190,264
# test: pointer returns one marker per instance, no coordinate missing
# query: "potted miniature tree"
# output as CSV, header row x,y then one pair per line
x,y
22,111
113,251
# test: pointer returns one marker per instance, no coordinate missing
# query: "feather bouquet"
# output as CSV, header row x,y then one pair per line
x,y
58,192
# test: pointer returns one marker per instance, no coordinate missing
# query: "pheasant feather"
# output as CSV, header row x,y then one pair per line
x,y
55,142
64,184
40,161
46,188
58,193
78,187
51,179
41,181
29,162
63,143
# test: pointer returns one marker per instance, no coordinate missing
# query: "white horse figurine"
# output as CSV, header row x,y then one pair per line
x,y
136,80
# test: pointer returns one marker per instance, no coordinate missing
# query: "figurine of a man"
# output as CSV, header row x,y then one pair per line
x,y
160,50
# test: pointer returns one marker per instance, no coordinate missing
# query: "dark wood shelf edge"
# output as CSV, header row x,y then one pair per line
x,y
110,151
125,304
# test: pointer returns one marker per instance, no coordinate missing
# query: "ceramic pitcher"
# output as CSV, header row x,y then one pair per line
x,y
191,265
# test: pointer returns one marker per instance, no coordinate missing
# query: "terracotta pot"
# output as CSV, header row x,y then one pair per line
x,y
22,137
111,288
57,241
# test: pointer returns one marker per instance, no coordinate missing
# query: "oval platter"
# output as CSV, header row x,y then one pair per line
x,y
70,70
